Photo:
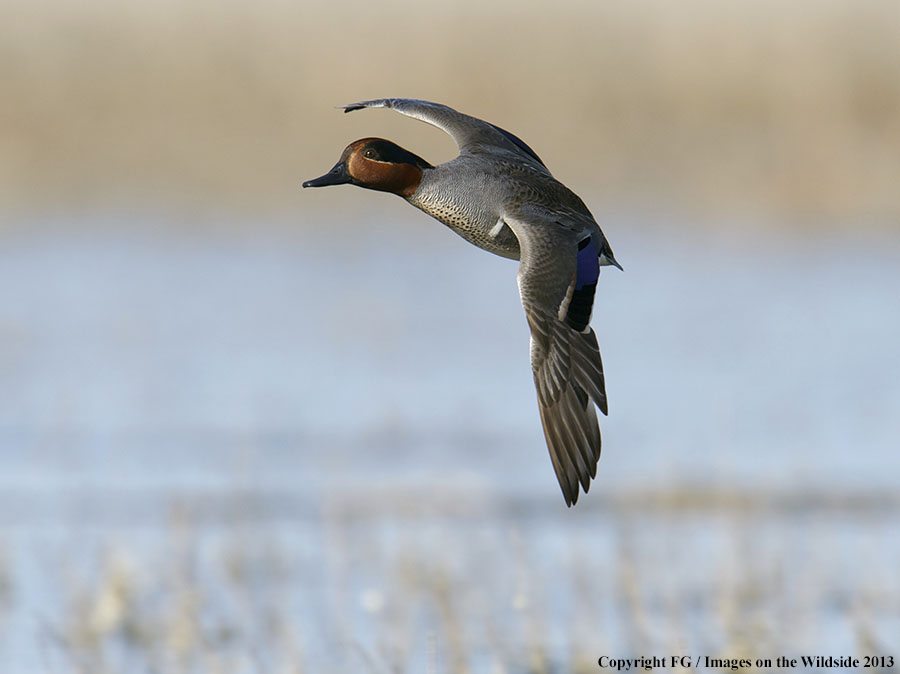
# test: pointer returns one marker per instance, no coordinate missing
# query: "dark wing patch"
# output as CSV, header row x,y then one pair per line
x,y
578,313
519,143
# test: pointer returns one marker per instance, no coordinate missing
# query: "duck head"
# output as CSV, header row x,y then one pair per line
x,y
376,164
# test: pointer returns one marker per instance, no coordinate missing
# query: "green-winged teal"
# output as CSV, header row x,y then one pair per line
x,y
499,195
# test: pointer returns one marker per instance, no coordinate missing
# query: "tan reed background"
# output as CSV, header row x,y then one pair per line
x,y
767,111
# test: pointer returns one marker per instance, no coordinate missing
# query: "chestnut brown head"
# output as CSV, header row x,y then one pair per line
x,y
376,164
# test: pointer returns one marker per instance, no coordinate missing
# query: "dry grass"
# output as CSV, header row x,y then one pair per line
x,y
384,590
756,108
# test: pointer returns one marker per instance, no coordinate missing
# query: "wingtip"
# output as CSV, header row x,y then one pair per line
x,y
374,103
572,498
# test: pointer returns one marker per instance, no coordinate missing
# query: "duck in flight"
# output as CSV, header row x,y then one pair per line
x,y
500,196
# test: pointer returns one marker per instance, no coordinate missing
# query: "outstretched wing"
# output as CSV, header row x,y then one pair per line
x,y
469,133
557,276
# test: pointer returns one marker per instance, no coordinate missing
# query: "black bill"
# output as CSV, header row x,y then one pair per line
x,y
336,176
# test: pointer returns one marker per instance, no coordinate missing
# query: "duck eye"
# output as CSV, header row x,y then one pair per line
x,y
369,153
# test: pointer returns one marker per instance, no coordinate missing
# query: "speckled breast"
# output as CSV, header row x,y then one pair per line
x,y
470,219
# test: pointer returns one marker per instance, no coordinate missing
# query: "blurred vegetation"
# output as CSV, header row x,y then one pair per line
x,y
788,111
467,585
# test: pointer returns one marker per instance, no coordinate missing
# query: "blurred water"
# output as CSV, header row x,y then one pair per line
x,y
736,359
349,393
